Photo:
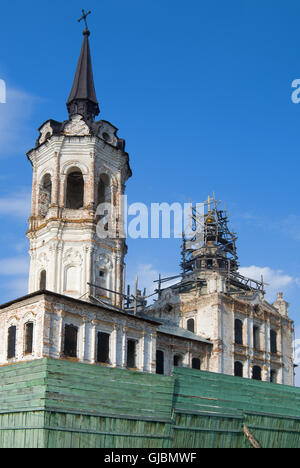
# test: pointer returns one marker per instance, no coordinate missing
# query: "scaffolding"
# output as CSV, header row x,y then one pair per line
x,y
211,246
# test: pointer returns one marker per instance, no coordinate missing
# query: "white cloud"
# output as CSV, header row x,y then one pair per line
x,y
18,268
14,266
15,134
15,288
147,274
16,205
277,280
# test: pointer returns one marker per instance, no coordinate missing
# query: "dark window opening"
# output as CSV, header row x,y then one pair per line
x,y
273,341
273,376
191,325
103,189
75,191
255,337
177,360
45,195
238,369
70,346
29,338
256,373
160,362
11,342
196,363
209,263
131,354
43,280
103,347
238,331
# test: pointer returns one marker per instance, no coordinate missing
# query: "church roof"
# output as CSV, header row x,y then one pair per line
x,y
170,329
82,99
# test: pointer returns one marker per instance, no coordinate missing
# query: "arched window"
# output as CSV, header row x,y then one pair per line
x,y
273,376
177,360
238,331
273,341
11,342
29,338
75,190
160,362
196,363
45,195
256,373
103,196
191,325
70,342
43,280
238,369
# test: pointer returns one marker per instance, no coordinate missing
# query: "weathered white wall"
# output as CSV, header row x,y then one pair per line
x,y
64,242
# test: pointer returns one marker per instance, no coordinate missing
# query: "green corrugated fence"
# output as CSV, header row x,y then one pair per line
x,y
57,403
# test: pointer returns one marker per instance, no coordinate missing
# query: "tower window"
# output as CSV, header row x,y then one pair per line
x,y
45,195
29,338
256,341
103,347
11,342
75,191
43,280
160,362
70,345
196,363
238,331
238,369
191,325
273,341
131,354
103,189
256,373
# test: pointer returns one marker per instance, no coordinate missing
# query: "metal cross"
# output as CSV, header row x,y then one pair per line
x,y
84,16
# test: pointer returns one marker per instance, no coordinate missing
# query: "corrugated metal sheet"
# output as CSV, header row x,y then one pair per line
x,y
54,403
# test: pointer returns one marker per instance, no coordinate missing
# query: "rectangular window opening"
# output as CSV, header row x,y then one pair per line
x,y
131,354
11,345
103,347
70,345
29,338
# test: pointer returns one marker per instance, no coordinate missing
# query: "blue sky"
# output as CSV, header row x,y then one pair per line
x,y
200,90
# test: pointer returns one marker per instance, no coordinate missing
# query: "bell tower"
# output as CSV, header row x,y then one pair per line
x,y
77,165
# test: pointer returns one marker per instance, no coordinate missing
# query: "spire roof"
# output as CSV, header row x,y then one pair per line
x,y
82,99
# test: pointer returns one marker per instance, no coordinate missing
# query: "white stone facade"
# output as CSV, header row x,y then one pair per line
x,y
63,241
214,313
50,314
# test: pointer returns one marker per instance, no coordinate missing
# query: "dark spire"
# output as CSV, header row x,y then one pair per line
x,y
82,99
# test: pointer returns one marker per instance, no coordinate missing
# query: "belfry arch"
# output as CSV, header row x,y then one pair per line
x,y
74,190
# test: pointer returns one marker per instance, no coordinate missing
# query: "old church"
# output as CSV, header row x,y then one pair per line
x,y
212,319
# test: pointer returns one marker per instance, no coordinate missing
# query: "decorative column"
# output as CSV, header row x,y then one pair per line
x,y
114,345
60,333
82,340
152,364
250,343
142,345
124,346
92,343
